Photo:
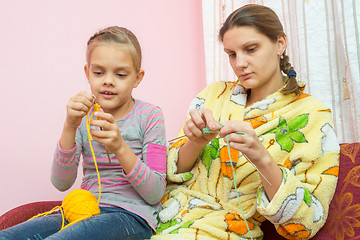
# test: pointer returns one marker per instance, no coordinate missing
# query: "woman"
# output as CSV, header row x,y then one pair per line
x,y
280,141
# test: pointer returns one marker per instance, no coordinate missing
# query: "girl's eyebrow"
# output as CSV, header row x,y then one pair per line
x,y
125,67
94,65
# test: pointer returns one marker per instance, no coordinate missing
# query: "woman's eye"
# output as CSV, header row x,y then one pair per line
x,y
251,49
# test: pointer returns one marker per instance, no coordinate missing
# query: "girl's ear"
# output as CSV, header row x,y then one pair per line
x,y
139,78
281,43
86,70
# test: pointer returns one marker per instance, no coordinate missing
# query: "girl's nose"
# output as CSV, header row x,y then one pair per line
x,y
109,80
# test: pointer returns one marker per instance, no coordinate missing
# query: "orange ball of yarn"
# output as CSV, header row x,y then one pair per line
x,y
80,204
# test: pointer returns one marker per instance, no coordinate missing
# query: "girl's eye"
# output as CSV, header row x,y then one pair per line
x,y
122,75
97,73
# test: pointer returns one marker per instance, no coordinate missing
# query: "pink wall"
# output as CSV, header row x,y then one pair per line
x,y
42,53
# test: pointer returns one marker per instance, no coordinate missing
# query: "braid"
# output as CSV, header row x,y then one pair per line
x,y
94,37
291,84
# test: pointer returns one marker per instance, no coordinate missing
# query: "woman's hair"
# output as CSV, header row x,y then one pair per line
x,y
264,20
120,35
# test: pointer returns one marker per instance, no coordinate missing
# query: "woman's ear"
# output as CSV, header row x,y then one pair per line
x,y
281,43
139,78
86,70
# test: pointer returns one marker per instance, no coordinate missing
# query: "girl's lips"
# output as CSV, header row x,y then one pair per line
x,y
107,94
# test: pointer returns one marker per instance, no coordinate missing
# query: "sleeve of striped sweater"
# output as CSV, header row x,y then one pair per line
x,y
65,165
148,176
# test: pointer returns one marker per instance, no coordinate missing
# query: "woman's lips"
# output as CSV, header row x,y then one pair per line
x,y
245,76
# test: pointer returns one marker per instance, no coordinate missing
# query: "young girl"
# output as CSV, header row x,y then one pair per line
x,y
133,133
272,153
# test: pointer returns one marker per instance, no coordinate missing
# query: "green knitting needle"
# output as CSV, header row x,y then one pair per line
x,y
208,130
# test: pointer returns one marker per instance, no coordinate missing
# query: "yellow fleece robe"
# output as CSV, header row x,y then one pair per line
x,y
298,133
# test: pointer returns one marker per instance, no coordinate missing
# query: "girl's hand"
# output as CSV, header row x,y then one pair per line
x,y
249,145
77,108
109,135
193,127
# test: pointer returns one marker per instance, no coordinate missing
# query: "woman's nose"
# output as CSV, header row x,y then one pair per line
x,y
240,61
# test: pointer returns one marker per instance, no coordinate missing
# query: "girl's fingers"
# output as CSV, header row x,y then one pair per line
x,y
78,106
85,98
105,116
102,124
81,102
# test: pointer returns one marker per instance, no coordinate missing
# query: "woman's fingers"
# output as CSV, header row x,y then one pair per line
x,y
240,127
208,117
197,119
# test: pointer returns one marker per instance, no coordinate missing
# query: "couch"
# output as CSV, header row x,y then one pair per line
x,y
344,213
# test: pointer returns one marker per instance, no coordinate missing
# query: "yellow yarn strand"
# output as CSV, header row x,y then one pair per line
x,y
79,203
74,203
96,109
55,209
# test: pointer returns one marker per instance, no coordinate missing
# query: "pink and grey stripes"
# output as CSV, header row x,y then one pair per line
x,y
141,190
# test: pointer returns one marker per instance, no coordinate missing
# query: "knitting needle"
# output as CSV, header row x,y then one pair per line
x,y
242,154
256,168
107,152
171,140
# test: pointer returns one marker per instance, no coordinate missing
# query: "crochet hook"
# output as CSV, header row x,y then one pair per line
x,y
97,108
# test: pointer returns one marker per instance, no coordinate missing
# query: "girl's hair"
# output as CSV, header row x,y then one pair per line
x,y
120,35
264,20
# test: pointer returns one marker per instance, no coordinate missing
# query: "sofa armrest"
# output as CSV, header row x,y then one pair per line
x,y
24,212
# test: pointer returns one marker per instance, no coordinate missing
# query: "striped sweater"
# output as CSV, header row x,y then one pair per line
x,y
141,190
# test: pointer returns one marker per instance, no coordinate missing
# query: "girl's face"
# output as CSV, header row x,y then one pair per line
x,y
112,76
255,59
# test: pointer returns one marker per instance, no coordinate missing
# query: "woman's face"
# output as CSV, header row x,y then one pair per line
x,y
254,58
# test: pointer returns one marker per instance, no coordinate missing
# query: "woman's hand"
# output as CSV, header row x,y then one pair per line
x,y
193,127
77,108
249,143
